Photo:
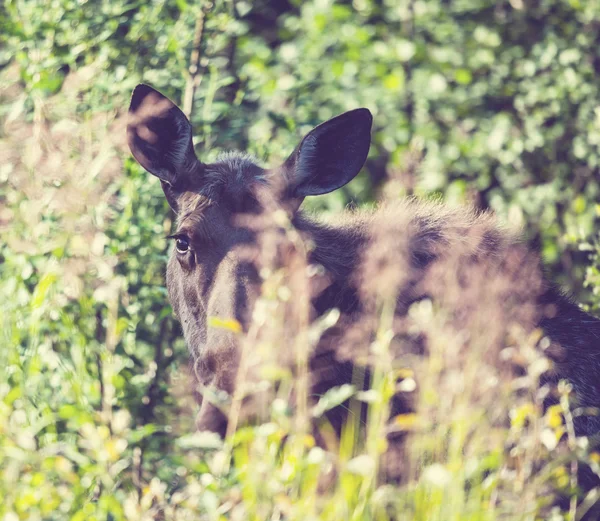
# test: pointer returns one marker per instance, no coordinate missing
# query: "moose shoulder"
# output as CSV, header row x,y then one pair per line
x,y
408,250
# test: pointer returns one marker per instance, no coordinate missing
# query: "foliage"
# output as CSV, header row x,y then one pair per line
x,y
494,103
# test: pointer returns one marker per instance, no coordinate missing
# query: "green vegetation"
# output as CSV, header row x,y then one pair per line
x,y
491,103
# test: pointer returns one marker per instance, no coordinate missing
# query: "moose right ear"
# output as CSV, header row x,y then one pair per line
x,y
160,136
329,156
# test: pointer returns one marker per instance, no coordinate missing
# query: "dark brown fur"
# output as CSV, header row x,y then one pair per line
x,y
407,251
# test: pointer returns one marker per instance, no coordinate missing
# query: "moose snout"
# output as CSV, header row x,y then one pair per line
x,y
216,371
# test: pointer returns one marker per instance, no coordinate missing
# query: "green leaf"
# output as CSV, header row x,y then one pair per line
x,y
332,398
42,288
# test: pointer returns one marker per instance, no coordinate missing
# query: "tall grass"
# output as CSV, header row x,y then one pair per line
x,y
96,405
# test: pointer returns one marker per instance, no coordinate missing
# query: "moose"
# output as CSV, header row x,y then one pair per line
x,y
410,245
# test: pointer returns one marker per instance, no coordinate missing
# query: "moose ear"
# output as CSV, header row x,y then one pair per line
x,y
330,155
160,136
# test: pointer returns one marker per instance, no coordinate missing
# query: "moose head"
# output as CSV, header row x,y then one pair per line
x,y
205,275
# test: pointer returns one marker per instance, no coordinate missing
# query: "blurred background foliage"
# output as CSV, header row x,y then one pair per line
x,y
494,103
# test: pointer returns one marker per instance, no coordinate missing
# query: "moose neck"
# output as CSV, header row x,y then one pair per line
x,y
337,248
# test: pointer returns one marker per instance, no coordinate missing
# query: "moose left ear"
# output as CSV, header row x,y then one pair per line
x,y
330,155
160,136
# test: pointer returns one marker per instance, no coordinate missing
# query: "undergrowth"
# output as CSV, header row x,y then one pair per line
x,y
96,401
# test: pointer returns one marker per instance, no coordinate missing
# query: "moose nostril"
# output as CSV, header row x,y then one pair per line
x,y
210,364
205,369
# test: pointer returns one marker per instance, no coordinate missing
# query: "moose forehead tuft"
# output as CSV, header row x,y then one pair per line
x,y
227,182
230,178
238,168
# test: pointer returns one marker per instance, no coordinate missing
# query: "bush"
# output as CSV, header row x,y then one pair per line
x,y
482,102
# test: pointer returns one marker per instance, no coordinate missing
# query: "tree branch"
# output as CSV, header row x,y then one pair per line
x,y
232,89
195,77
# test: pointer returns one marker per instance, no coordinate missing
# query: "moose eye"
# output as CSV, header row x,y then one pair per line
x,y
182,244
